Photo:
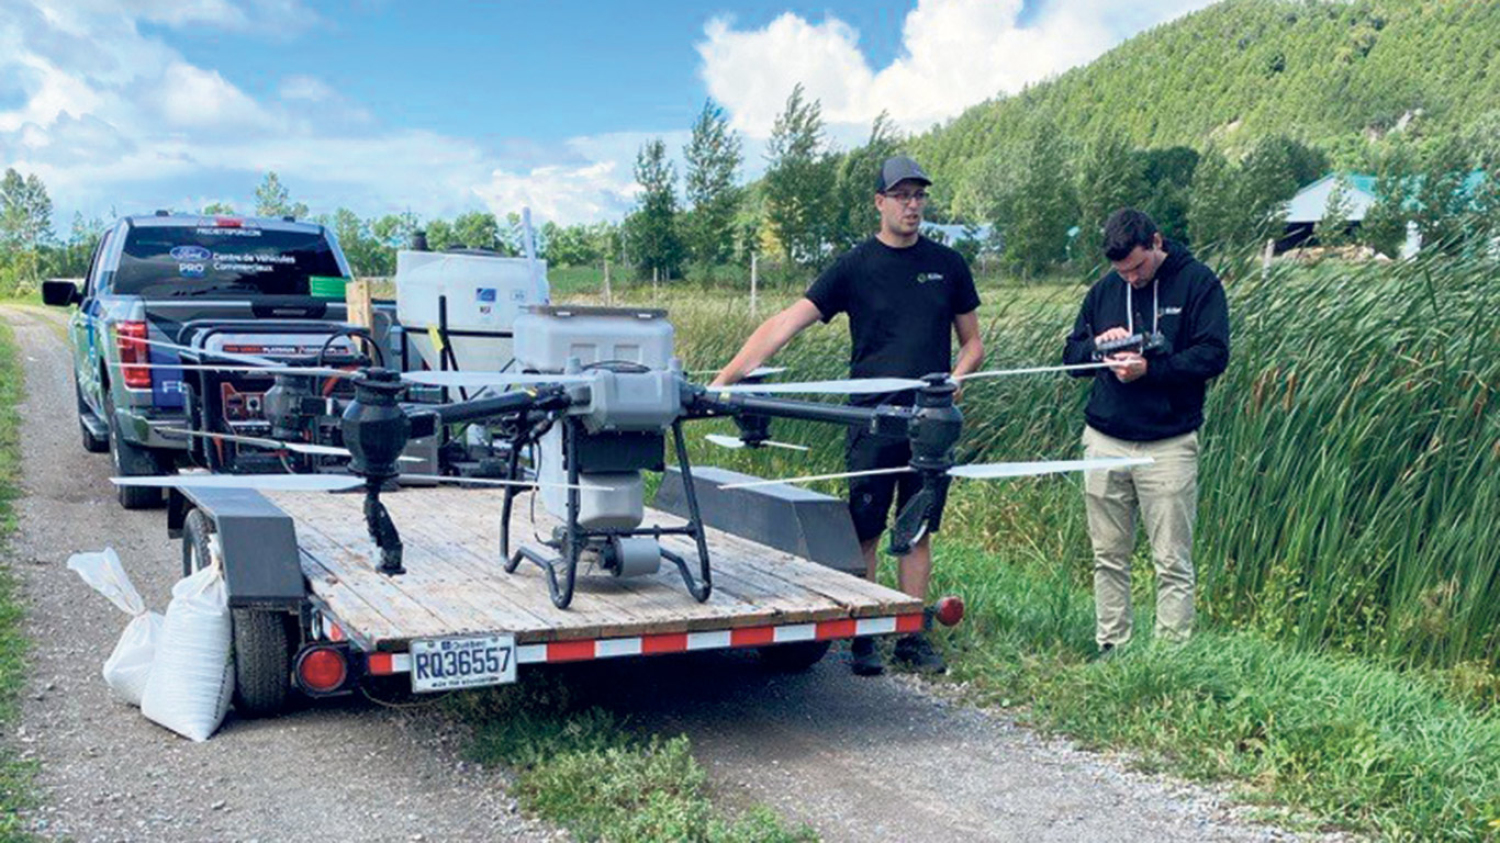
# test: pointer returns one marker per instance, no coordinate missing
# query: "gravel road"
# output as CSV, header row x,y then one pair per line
x,y
858,759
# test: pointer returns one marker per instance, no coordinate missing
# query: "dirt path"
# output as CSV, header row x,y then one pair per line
x,y
346,771
858,759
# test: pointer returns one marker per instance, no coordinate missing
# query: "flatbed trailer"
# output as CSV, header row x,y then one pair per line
x,y
312,611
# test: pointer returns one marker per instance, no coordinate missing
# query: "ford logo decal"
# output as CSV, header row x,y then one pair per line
x,y
190,253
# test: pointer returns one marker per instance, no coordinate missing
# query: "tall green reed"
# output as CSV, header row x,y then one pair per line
x,y
1349,497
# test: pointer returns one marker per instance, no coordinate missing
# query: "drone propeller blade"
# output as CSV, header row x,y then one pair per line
x,y
1033,370
809,479
477,380
276,369
278,444
267,482
249,359
989,471
737,443
485,481
757,372
853,386
981,471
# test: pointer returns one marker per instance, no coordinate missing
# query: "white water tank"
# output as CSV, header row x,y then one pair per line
x,y
484,293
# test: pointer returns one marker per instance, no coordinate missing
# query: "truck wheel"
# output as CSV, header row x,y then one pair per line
x,y
794,657
262,662
130,461
91,443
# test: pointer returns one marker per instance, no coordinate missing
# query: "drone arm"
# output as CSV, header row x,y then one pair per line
x,y
506,404
882,421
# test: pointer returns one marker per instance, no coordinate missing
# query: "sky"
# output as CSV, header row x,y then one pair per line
x,y
381,106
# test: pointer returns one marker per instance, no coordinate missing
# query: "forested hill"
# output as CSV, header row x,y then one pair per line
x,y
1328,73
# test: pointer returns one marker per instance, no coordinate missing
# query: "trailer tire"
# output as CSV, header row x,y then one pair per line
x,y
262,643
795,657
262,662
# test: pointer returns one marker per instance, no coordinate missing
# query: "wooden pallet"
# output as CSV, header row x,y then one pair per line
x,y
455,583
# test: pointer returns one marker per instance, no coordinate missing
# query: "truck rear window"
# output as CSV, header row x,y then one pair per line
x,y
162,261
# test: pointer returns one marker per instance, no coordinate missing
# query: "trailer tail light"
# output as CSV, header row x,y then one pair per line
x,y
322,669
949,610
130,338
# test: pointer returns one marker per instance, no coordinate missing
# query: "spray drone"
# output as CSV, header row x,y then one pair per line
x,y
595,399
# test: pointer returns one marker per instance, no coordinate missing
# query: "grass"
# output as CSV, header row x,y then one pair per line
x,y
1349,584
581,767
1343,741
15,775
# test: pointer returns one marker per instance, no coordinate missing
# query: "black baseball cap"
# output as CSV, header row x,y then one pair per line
x,y
896,170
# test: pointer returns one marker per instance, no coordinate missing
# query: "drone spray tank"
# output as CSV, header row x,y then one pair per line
x,y
615,429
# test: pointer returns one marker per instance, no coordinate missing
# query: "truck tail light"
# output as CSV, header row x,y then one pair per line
x,y
130,337
322,669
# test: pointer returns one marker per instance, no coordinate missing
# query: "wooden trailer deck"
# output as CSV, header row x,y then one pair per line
x,y
455,583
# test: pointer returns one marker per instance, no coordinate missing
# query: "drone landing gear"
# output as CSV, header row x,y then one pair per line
x,y
617,550
382,530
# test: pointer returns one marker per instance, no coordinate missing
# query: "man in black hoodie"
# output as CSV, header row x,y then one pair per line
x,y
1149,402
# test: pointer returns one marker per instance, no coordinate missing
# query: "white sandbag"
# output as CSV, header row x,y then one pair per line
x,y
192,680
129,665
128,668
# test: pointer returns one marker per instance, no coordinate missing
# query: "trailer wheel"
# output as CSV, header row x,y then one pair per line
x,y
794,657
196,529
262,645
262,662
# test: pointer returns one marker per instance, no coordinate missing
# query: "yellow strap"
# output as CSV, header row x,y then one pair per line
x,y
435,337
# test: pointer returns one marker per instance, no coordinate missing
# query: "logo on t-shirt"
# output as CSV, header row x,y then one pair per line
x,y
924,277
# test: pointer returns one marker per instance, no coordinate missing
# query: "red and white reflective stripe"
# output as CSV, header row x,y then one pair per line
x,y
383,664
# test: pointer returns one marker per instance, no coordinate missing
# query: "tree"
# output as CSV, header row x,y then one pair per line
x,y
713,159
1108,176
853,207
477,230
655,243
1269,176
1384,226
440,235
25,225
363,251
218,209
1212,213
799,179
1443,201
273,200
1168,182
1332,230
83,239
1043,205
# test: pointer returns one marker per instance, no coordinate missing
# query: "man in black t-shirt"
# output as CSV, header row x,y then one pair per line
x,y
905,296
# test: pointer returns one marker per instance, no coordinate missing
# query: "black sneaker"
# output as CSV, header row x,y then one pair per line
x,y
864,657
917,652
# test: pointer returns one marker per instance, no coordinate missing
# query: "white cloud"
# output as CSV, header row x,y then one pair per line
x,y
192,98
306,88
954,54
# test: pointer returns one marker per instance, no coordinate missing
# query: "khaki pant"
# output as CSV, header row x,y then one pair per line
x,y
1166,494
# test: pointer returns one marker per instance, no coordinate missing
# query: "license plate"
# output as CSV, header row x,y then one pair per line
x,y
442,664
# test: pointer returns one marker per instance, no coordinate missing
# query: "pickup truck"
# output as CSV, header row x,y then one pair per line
x,y
152,278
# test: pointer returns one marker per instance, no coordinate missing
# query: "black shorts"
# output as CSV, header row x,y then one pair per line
x,y
870,497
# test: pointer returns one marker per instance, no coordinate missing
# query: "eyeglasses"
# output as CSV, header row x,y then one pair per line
x,y
904,198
